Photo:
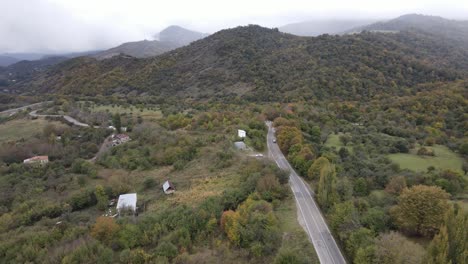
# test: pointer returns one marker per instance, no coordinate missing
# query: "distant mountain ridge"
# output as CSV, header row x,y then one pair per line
x,y
170,38
137,49
7,60
319,27
179,35
447,28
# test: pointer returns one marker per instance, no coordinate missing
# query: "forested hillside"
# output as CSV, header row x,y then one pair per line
x,y
257,63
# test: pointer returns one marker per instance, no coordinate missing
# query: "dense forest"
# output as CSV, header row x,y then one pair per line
x,y
263,64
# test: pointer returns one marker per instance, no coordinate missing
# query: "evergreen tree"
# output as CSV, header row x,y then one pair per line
x,y
117,122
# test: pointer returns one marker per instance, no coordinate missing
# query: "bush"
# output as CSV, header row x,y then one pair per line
x,y
426,152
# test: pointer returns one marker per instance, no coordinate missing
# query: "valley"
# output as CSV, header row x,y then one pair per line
x,y
248,145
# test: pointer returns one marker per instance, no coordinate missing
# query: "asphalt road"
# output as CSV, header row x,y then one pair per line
x,y
16,110
313,222
68,118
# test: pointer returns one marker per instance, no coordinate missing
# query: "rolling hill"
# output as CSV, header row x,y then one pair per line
x,y
263,64
25,70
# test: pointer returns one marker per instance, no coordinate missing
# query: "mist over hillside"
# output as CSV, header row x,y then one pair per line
x,y
318,27
444,28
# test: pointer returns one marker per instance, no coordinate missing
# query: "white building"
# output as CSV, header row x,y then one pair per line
x,y
241,133
168,188
37,160
127,202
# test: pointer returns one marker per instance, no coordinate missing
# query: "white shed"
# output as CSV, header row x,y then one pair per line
x,y
127,202
241,133
168,187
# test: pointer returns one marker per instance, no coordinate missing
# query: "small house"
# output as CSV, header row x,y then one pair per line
x,y
168,188
42,160
127,202
241,133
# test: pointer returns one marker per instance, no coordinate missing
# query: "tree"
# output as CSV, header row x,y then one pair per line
x,y
360,187
421,209
396,185
327,195
230,224
105,229
360,238
288,136
314,171
437,251
393,248
117,122
464,148
344,219
101,197
288,257
450,245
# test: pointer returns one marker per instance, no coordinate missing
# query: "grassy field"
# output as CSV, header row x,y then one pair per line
x,y
23,128
444,159
145,113
333,141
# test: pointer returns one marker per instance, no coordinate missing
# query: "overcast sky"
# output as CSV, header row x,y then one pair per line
x,y
53,26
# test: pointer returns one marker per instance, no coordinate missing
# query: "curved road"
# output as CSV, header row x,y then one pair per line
x,y
16,110
68,118
314,223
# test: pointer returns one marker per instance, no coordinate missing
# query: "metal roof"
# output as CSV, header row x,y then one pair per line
x,y
167,185
128,200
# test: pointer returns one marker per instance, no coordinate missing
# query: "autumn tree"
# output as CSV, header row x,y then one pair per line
x,y
396,185
393,248
288,136
327,194
105,229
421,209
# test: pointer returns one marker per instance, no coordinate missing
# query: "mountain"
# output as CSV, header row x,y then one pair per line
x,y
261,64
7,60
25,70
319,27
179,35
138,49
449,29
170,38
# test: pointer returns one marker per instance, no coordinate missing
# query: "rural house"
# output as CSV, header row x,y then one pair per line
x,y
127,202
168,188
37,160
